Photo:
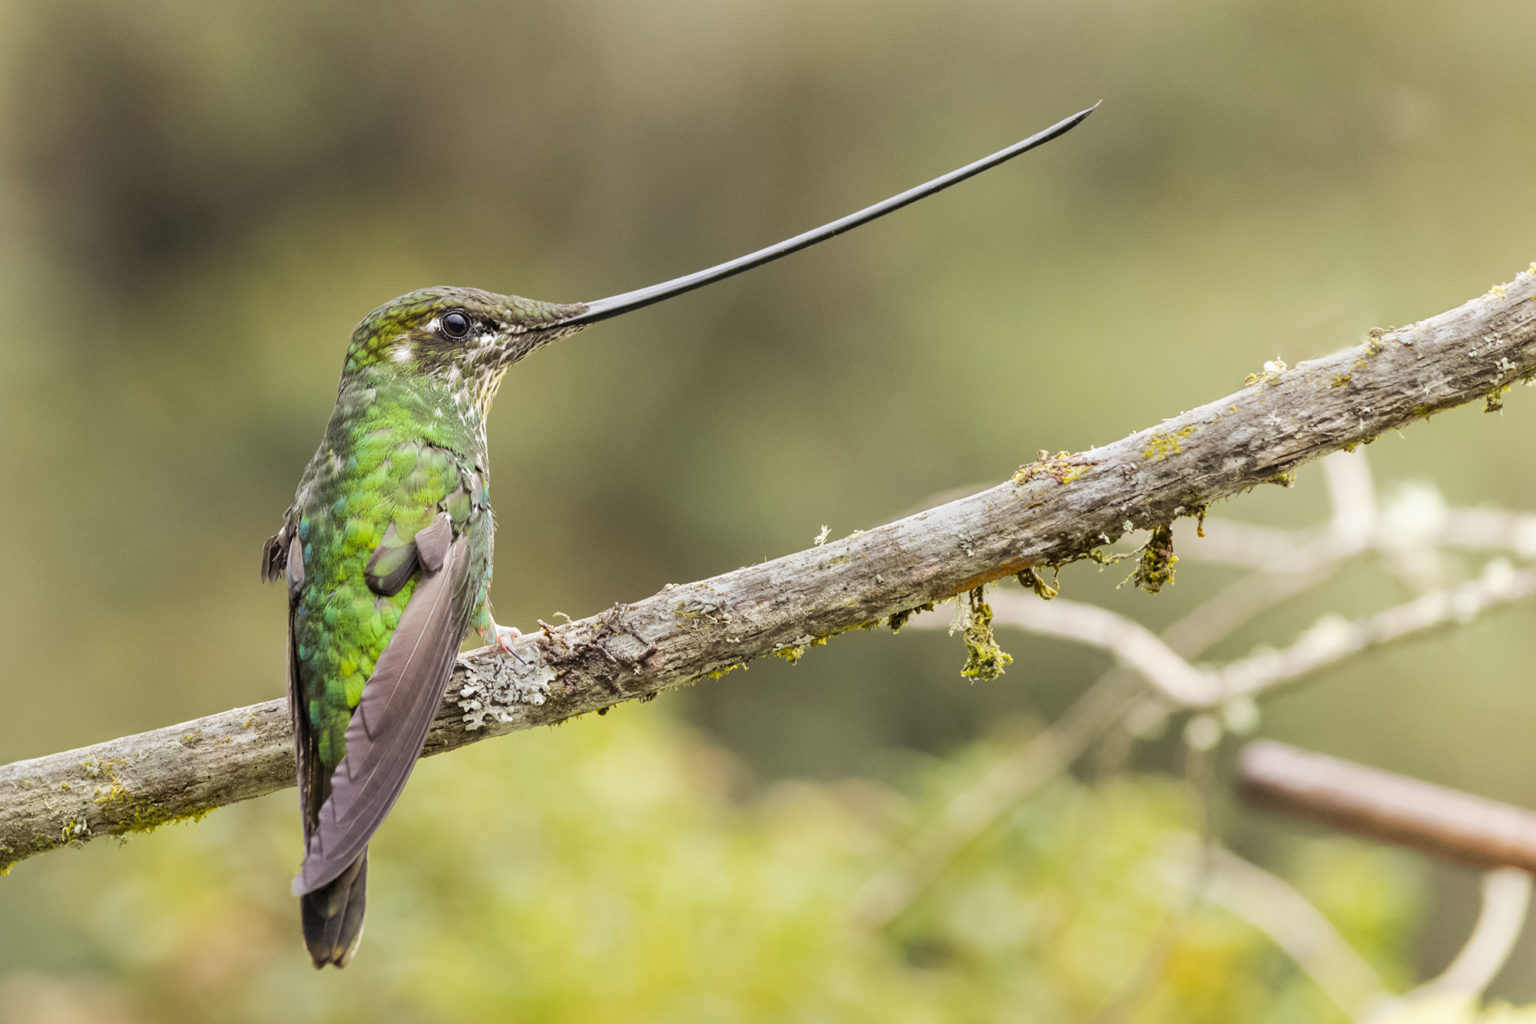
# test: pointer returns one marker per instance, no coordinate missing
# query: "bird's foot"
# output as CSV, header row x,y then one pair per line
x,y
504,637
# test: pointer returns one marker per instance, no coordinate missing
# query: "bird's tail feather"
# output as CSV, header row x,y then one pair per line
x,y
333,915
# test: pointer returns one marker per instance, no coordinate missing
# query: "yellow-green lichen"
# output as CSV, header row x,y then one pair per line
x,y
792,654
899,619
1372,350
118,803
699,614
1198,511
1063,467
984,659
1269,374
1494,402
795,651
1155,569
1101,557
1163,444
1031,580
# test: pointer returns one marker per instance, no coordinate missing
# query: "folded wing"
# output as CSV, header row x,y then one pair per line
x,y
389,726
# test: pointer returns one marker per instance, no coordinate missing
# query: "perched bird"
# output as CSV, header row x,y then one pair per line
x,y
386,549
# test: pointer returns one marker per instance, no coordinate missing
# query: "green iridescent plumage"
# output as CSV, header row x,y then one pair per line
x,y
387,554
340,623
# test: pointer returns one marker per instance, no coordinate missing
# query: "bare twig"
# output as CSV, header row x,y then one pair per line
x,y
1051,512
1177,684
1278,549
1288,562
1332,640
1296,926
1137,648
1286,569
1444,822
1506,901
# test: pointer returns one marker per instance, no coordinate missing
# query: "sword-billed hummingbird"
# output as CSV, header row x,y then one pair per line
x,y
386,549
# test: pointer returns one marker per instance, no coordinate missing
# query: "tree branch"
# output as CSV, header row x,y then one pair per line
x,y
1394,808
1051,512
1267,902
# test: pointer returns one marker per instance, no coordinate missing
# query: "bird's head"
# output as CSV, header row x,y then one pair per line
x,y
461,337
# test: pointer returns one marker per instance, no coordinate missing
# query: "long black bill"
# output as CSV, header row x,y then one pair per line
x,y
602,309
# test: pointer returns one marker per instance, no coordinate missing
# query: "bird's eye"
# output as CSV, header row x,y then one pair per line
x,y
455,324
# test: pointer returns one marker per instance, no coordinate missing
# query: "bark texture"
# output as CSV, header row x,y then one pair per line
x,y
1052,511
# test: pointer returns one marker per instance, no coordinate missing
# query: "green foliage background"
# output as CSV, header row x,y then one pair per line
x,y
620,874
197,202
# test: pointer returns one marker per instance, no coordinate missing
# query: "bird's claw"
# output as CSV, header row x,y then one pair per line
x,y
504,637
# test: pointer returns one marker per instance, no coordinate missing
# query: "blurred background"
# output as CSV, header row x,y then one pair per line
x,y
197,204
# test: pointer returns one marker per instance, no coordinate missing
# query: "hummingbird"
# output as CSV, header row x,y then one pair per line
x,y
386,549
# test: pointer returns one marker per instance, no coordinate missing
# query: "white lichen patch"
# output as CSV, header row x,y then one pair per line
x,y
963,617
1270,373
494,688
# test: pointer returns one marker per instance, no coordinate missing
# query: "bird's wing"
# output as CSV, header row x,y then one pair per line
x,y
389,726
283,558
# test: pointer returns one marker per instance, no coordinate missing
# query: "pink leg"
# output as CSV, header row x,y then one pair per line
x,y
505,635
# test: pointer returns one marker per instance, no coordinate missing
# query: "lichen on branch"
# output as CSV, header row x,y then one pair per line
x,y
1067,508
